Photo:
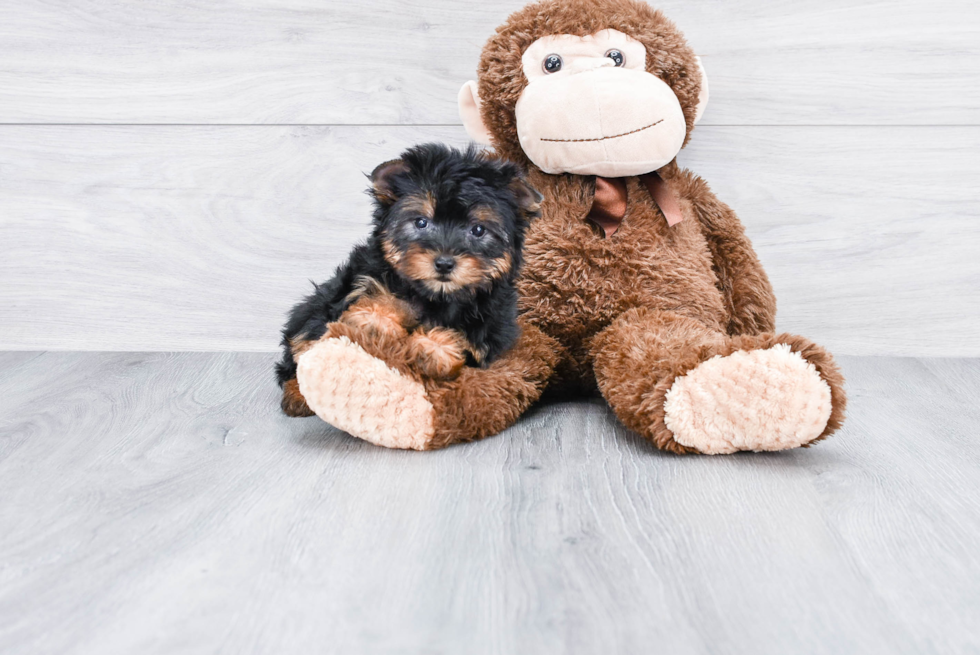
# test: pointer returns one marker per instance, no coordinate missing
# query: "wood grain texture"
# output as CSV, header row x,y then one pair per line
x,y
159,503
770,62
201,238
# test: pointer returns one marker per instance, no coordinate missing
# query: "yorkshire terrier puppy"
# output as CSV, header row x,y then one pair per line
x,y
437,272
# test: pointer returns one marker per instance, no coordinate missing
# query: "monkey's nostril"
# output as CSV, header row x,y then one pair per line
x,y
445,264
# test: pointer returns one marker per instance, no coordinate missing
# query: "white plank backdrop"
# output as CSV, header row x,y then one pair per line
x,y
172,172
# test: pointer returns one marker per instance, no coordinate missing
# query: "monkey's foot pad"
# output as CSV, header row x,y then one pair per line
x,y
750,400
361,395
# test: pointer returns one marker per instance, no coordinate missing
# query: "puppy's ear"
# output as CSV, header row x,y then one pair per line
x,y
528,198
382,180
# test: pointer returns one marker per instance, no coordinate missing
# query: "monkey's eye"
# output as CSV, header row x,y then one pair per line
x,y
617,57
478,231
552,63
421,223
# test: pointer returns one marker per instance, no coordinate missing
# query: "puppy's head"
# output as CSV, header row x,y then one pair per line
x,y
452,222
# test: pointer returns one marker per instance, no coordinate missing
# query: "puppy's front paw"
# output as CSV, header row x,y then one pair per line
x,y
385,315
437,353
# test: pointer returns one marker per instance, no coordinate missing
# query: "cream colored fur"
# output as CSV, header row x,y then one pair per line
x,y
362,396
758,400
590,117
610,121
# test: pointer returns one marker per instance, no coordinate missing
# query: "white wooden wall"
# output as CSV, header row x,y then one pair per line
x,y
173,171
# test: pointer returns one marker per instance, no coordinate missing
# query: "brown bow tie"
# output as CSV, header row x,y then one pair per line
x,y
609,204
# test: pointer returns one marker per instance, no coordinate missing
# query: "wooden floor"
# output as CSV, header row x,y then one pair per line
x,y
159,503
171,174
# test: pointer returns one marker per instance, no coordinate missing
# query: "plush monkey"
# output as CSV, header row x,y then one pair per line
x,y
638,282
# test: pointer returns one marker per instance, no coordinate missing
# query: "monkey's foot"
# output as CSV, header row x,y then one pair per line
x,y
758,400
363,396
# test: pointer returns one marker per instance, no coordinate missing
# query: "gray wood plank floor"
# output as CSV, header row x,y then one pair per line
x,y
157,503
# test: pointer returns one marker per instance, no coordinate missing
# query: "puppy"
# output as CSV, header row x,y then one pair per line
x,y
438,269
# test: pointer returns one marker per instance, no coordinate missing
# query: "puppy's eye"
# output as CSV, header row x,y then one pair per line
x,y
421,223
478,231
552,63
617,57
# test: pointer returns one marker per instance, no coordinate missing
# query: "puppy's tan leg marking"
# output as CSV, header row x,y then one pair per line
x,y
479,354
380,313
293,403
438,353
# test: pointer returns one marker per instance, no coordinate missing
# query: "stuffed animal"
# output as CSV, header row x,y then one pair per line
x,y
638,283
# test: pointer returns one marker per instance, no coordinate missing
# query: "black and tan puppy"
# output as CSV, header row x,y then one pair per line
x,y
440,265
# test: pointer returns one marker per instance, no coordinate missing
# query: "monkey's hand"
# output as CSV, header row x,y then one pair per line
x,y
367,383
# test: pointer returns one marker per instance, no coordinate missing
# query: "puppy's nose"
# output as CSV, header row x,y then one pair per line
x,y
445,264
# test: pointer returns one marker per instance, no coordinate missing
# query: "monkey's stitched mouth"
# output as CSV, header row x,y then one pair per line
x,y
606,138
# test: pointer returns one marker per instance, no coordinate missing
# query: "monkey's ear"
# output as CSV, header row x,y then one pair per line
x,y
528,198
382,180
703,97
469,112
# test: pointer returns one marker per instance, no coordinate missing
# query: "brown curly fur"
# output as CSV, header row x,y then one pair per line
x,y
625,315
482,402
293,404
667,345
635,311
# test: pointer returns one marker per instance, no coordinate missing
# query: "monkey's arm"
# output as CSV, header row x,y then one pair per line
x,y
748,294
363,384
484,401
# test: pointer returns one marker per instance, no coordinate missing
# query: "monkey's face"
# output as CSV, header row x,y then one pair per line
x,y
591,108
610,103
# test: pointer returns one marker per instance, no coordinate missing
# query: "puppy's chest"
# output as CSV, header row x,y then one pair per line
x,y
440,314
470,319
